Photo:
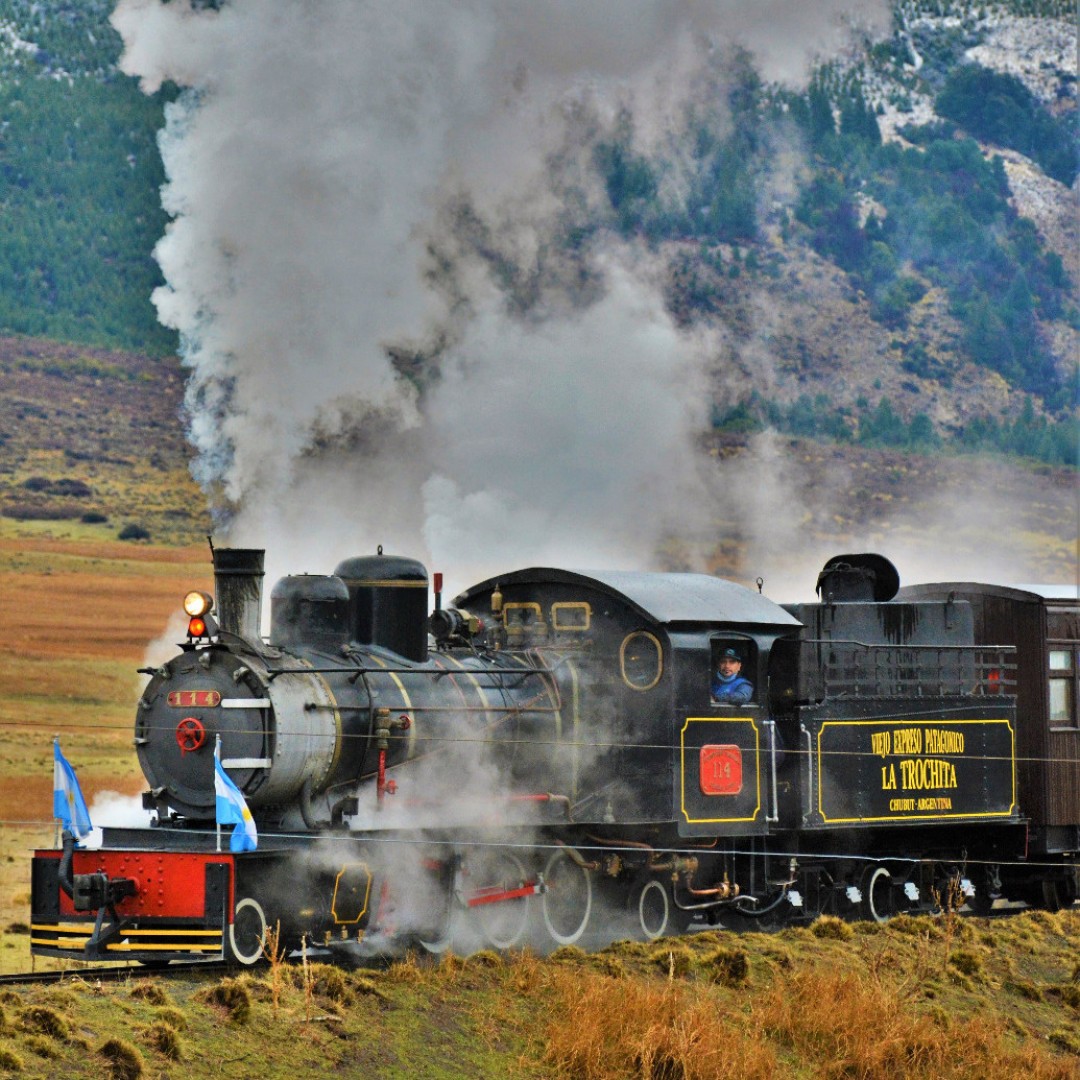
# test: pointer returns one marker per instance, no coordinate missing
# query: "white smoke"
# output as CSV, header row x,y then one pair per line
x,y
311,164
111,809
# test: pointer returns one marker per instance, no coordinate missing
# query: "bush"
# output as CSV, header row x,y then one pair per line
x,y
10,1061
730,967
165,1039
232,995
125,1061
47,1021
133,532
675,961
172,1016
150,992
829,926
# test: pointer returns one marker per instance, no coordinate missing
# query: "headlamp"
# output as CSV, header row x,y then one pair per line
x,y
197,604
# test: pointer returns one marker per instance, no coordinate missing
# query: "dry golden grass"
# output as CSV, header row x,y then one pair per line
x,y
859,1008
604,1028
78,617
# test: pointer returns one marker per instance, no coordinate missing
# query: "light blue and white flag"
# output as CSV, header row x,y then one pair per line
x,y
233,810
69,806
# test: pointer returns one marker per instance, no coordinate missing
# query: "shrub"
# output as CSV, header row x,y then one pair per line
x,y
172,1016
829,926
489,958
675,961
133,532
232,995
165,1039
42,1046
150,992
47,1021
730,967
93,517
125,1061
31,512
10,1061
329,982
568,953
966,962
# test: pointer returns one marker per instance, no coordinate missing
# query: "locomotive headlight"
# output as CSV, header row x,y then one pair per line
x,y
197,604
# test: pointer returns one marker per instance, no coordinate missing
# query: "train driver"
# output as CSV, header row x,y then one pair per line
x,y
728,685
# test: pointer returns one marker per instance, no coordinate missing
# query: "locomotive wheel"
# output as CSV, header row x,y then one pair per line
x,y
504,922
653,911
567,903
247,933
652,905
1048,896
879,896
445,922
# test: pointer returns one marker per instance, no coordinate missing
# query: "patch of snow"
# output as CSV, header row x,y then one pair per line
x,y
1039,52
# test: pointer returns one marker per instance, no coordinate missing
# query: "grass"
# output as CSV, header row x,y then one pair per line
x,y
81,616
878,1003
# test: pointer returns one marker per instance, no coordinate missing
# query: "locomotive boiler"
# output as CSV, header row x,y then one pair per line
x,y
546,760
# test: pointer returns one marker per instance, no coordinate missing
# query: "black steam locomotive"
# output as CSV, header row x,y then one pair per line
x,y
551,760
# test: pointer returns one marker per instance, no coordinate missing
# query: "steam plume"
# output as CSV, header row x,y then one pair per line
x,y
323,164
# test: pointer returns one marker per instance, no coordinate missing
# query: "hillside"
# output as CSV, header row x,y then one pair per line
x,y
91,442
898,234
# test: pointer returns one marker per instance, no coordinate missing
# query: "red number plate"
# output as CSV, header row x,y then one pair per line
x,y
720,770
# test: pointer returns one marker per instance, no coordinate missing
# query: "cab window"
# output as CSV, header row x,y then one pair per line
x,y
732,672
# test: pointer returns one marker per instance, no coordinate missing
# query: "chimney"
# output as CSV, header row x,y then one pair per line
x,y
238,574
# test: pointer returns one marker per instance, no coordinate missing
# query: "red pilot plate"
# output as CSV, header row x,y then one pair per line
x,y
200,699
720,770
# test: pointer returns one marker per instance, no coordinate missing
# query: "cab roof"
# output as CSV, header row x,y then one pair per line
x,y
664,598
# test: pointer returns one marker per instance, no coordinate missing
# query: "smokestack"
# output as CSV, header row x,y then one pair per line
x,y
238,574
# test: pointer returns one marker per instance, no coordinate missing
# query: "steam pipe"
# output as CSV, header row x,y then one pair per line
x,y
576,857
383,728
307,808
64,875
775,815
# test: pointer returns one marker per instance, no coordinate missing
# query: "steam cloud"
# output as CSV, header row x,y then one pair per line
x,y
359,190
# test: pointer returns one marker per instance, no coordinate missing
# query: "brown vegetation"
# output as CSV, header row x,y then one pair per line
x,y
891,1001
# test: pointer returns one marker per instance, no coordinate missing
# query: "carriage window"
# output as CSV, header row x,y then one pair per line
x,y
642,660
1063,687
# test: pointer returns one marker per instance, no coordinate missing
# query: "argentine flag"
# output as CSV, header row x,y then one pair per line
x,y
232,810
69,806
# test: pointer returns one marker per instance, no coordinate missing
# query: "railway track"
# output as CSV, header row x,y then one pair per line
x,y
110,974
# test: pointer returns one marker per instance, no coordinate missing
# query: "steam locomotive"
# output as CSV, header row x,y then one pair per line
x,y
546,761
